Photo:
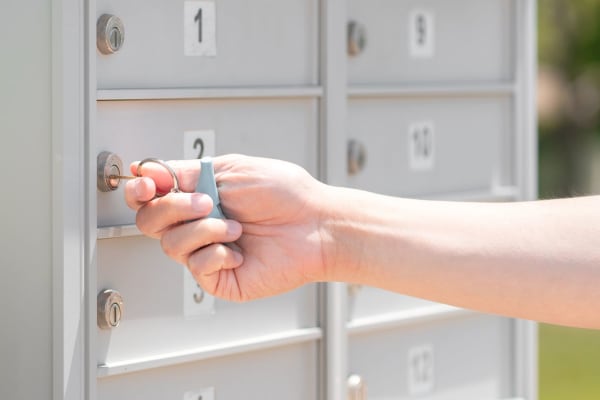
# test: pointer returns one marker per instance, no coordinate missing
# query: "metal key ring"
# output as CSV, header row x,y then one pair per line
x,y
166,166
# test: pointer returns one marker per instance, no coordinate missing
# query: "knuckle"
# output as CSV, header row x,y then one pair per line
x,y
169,245
141,221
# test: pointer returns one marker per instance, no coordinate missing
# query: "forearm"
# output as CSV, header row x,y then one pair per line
x,y
535,260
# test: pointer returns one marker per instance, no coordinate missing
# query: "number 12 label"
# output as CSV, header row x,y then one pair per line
x,y
199,28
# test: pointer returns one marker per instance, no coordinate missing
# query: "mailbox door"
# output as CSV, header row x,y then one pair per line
x,y
433,42
183,44
173,339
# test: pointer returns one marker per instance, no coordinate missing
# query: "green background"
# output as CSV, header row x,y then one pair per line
x,y
569,165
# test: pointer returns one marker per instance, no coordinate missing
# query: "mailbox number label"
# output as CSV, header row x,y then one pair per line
x,y
421,34
198,144
421,145
199,28
420,370
196,302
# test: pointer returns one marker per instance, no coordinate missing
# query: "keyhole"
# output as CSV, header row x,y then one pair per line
x,y
115,314
115,39
113,182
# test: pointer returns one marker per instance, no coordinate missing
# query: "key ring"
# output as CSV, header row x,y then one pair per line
x,y
166,166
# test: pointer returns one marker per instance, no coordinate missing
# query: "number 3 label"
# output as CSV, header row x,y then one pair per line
x,y
199,28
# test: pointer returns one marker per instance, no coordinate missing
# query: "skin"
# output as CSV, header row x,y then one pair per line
x,y
534,260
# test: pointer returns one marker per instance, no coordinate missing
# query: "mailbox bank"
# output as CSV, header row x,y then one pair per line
x,y
416,98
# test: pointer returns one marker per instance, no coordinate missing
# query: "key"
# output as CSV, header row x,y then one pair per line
x,y
124,177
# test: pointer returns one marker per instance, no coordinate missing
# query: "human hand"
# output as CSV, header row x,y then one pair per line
x,y
276,224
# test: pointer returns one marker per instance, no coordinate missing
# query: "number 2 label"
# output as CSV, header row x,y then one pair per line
x,y
199,28
198,144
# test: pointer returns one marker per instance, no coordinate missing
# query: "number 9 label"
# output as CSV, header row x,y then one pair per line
x,y
421,34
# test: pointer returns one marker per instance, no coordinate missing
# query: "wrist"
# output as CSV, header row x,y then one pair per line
x,y
338,236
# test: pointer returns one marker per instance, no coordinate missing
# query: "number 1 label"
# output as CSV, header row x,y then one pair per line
x,y
199,28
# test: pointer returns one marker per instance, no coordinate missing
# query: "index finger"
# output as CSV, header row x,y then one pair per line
x,y
187,172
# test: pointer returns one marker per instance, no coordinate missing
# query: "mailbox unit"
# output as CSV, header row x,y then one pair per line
x,y
414,98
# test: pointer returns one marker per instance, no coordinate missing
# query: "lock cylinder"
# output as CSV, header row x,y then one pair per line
x,y
110,309
109,168
110,34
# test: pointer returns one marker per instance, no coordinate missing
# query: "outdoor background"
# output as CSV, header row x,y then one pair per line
x,y
569,165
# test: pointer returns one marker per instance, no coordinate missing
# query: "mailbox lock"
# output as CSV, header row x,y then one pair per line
x,y
357,38
110,34
357,157
109,169
110,309
357,388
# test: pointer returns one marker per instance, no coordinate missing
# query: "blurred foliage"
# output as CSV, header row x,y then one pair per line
x,y
569,101
569,143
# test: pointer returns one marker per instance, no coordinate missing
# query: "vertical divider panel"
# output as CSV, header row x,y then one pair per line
x,y
90,191
332,170
68,201
526,342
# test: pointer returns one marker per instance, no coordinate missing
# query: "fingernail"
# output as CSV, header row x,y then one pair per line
x,y
237,257
201,203
234,229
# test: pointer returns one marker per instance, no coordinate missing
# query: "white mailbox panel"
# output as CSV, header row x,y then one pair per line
x,y
281,373
172,44
154,325
466,146
434,41
464,358
285,129
366,301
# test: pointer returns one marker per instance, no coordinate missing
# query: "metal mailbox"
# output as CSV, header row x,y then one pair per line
x,y
462,358
250,375
424,147
433,41
415,98
135,130
240,43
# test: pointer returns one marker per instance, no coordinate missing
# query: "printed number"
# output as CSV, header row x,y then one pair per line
x,y
421,29
421,146
423,142
198,18
199,28
421,34
199,143
420,370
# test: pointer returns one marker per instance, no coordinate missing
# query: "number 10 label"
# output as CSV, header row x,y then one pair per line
x,y
199,28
